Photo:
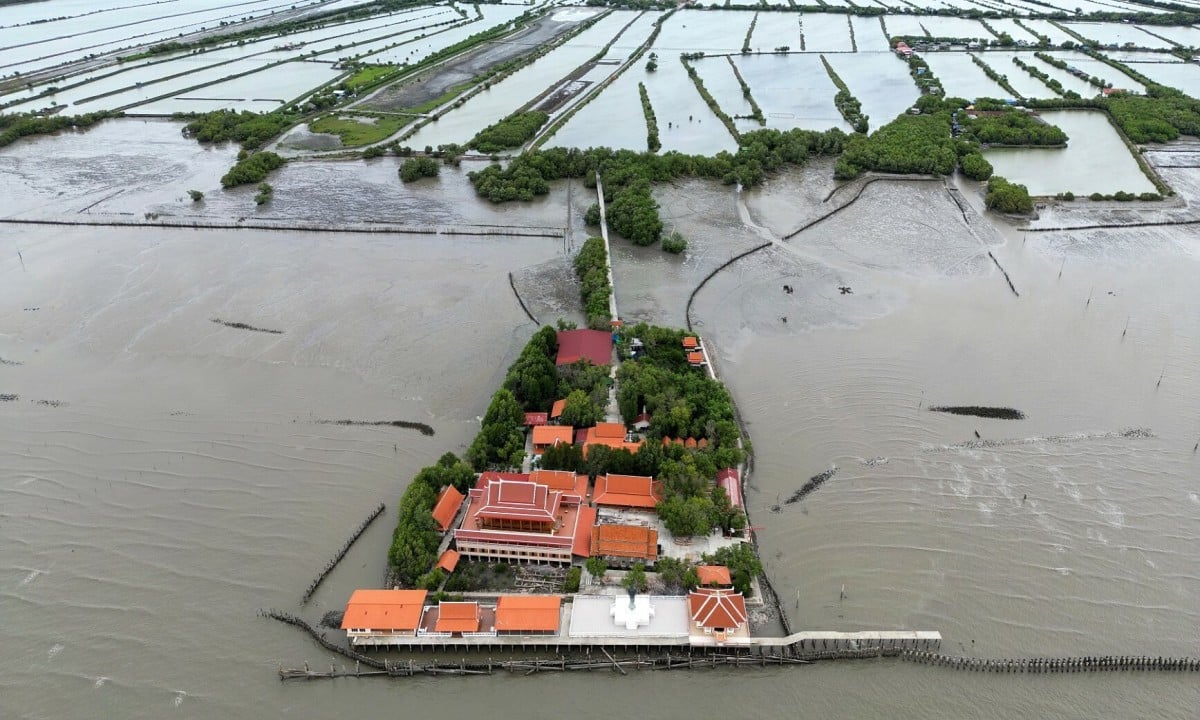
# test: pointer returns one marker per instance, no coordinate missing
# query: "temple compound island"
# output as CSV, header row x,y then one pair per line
x,y
597,508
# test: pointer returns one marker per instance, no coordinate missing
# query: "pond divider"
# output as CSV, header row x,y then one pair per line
x,y
312,587
301,226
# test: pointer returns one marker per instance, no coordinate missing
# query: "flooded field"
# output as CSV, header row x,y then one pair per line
x,y
166,476
1095,160
177,478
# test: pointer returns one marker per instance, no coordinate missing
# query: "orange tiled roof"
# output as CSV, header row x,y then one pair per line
x,y
690,343
696,358
713,575
448,560
717,608
448,503
553,434
457,617
563,480
528,613
384,609
556,410
615,431
627,491
581,546
626,541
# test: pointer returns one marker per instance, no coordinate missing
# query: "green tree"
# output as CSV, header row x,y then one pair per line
x,y
196,195
635,578
596,567
976,166
743,563
580,411
1003,196
415,168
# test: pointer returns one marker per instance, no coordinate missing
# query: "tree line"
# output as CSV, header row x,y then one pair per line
x,y
13,127
591,267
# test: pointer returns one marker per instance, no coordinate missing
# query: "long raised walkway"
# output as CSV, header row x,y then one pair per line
x,y
811,640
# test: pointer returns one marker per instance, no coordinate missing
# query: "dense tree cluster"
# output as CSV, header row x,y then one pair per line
x,y
591,266
415,539
1012,127
633,213
15,127
415,168
511,132
252,168
533,378
759,153
500,443
976,166
908,144
1006,197
251,129
1162,114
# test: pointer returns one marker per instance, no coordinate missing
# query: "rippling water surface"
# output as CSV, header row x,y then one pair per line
x,y
162,476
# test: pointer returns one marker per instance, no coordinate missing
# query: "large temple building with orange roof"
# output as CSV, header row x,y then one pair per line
x,y
524,521
627,491
624,545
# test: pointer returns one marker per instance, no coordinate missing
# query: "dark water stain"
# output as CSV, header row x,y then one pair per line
x,y
422,427
244,326
1001,413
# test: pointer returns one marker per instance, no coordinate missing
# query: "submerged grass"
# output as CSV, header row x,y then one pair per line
x,y
354,132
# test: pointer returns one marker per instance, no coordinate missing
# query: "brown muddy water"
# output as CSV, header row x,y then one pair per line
x,y
179,478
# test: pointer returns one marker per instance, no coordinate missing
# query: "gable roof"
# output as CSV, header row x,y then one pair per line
x,y
517,500
581,546
553,434
448,560
533,419
609,430
384,609
627,491
713,575
567,481
696,357
457,617
556,410
626,541
594,346
490,475
731,481
690,342
446,509
528,613
717,608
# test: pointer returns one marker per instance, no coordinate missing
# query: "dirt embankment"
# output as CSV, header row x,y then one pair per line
x,y
440,79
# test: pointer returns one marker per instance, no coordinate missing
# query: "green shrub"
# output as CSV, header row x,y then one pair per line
x,y
976,166
511,132
415,168
572,582
251,169
265,193
1006,197
674,243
